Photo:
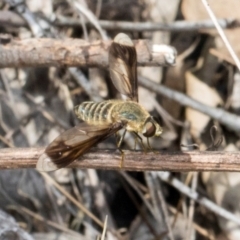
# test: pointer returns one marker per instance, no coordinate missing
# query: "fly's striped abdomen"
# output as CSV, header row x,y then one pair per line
x,y
95,113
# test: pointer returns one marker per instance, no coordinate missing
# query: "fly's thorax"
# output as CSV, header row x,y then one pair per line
x,y
137,118
95,112
132,113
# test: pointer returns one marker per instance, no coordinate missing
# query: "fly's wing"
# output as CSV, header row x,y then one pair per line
x,y
73,143
123,66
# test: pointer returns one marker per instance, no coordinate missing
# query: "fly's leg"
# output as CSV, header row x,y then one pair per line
x,y
146,149
138,138
117,137
121,139
119,143
135,143
150,148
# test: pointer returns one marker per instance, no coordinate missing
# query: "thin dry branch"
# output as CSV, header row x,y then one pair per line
x,y
222,34
232,121
134,160
74,52
167,177
9,18
177,26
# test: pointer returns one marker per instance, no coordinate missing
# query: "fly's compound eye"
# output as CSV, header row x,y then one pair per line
x,y
149,129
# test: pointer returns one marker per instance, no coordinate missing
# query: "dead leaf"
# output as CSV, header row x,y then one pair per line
x,y
229,9
194,10
201,92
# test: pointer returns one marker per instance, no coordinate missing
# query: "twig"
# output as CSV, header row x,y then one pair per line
x,y
166,176
8,18
197,227
82,80
131,182
90,16
141,210
21,8
230,120
72,199
38,217
221,33
177,26
75,52
190,234
104,228
11,158
160,204
101,206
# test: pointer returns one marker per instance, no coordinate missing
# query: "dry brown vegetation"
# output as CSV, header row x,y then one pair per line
x,y
54,55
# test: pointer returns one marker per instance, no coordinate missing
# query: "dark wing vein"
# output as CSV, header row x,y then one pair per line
x,y
123,68
73,143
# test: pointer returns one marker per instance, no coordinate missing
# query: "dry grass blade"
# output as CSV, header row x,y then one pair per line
x,y
104,229
165,176
221,33
36,216
197,227
72,199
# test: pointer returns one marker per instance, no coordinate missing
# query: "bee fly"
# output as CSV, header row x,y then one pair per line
x,y
103,119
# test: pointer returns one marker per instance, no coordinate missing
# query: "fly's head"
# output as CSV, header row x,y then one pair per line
x,y
151,128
